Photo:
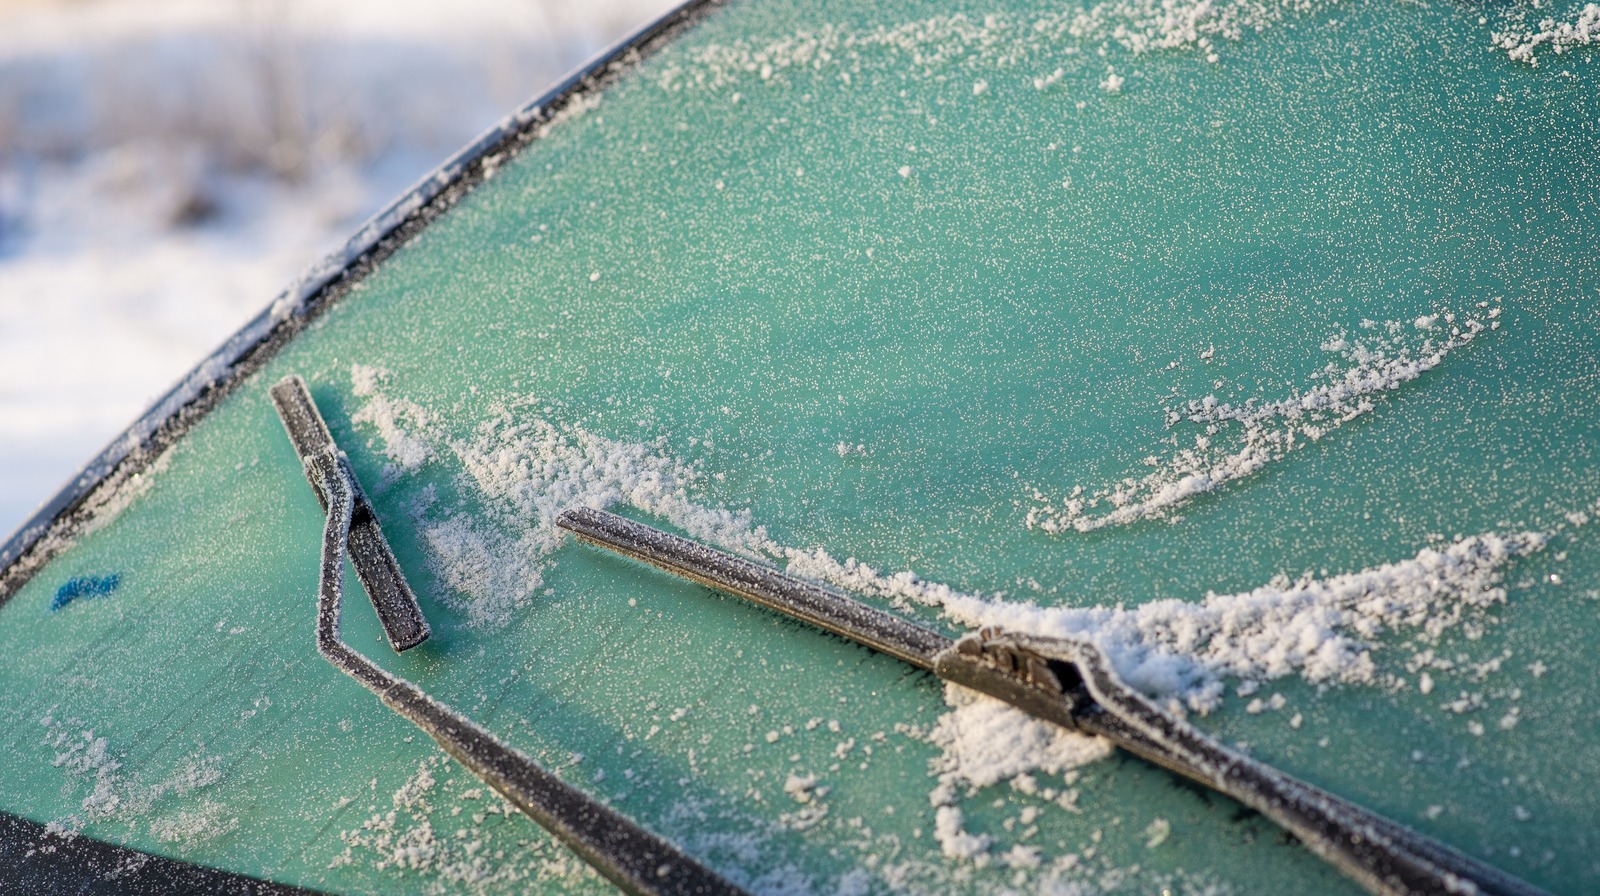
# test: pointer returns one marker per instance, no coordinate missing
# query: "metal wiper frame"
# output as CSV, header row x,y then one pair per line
x,y
1071,683
631,857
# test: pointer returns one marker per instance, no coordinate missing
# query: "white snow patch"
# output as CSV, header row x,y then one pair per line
x,y
991,43
954,841
394,419
801,788
986,742
1240,439
403,838
1525,42
112,794
1322,629
525,470
205,820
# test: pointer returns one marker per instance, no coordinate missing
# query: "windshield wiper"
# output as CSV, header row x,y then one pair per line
x,y
1071,682
402,619
629,856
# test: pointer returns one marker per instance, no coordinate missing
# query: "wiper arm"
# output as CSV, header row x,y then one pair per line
x,y
403,622
1071,682
629,856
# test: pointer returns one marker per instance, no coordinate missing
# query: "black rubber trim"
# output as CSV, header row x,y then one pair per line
x,y
94,488
35,860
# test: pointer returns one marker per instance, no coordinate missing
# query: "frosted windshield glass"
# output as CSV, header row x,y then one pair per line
x,y
1256,341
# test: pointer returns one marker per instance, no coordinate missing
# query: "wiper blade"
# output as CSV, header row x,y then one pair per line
x,y
403,622
1071,682
631,857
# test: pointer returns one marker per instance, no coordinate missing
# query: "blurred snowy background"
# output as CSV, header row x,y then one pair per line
x,y
167,166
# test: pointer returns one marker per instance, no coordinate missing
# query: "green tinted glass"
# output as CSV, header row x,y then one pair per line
x,y
1277,321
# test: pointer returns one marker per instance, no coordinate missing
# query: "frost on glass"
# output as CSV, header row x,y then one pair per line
x,y
1252,341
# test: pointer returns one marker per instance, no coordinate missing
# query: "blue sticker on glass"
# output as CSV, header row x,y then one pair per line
x,y
84,586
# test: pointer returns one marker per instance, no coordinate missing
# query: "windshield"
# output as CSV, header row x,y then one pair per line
x,y
1255,342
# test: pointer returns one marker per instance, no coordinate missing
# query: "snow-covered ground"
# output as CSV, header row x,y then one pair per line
x,y
166,166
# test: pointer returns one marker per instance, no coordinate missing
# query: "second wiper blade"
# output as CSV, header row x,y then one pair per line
x,y
806,601
1071,682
